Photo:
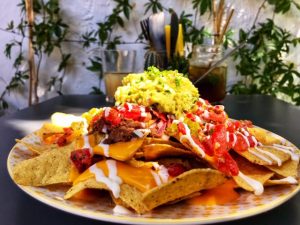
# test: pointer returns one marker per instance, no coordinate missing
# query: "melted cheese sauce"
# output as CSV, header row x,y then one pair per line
x,y
121,151
113,173
220,195
112,181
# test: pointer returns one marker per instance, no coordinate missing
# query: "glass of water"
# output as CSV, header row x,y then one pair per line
x,y
116,65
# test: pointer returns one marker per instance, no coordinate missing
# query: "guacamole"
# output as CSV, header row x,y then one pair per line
x,y
169,91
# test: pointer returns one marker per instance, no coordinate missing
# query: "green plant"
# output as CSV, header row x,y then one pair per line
x,y
105,38
261,62
47,34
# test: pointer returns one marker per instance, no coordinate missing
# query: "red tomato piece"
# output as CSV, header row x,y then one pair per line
x,y
241,144
226,164
206,145
63,139
160,116
181,128
82,159
175,169
219,139
217,117
191,116
113,117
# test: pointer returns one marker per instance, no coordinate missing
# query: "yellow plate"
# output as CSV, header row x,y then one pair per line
x,y
181,213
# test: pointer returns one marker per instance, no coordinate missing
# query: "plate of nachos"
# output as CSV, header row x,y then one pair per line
x,y
160,155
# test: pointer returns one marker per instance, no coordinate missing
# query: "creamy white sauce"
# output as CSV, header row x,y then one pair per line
x,y
141,132
113,181
121,210
290,180
129,106
271,155
163,174
256,186
227,137
160,174
245,138
262,157
234,139
294,156
104,129
156,178
254,140
205,114
245,132
105,148
191,141
285,147
106,111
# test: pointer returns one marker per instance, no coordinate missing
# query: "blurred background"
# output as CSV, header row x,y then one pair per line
x,y
68,37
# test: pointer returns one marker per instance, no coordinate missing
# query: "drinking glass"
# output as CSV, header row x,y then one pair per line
x,y
116,65
212,87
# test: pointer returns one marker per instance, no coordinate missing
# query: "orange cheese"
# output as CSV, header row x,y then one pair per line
x,y
141,178
122,151
220,195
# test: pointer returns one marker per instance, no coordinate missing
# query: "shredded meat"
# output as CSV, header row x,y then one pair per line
x,y
117,133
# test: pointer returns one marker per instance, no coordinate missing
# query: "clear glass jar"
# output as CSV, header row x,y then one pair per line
x,y
213,86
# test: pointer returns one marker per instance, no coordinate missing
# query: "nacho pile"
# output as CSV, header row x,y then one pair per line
x,y
145,156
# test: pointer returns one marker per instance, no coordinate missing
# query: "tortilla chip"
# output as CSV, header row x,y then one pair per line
x,y
149,141
263,136
256,172
255,156
37,148
155,151
286,181
52,167
183,185
289,168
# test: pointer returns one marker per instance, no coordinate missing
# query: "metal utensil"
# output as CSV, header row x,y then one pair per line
x,y
157,31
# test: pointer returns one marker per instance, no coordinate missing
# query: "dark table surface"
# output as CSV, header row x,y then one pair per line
x,y
17,208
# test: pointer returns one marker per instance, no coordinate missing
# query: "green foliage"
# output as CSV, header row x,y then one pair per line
x,y
154,5
260,63
179,63
262,66
104,36
47,34
202,5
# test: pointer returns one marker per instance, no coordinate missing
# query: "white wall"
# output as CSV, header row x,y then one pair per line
x,y
82,15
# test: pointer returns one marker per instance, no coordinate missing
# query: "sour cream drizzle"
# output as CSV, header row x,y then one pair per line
x,y
161,174
271,155
285,149
256,186
189,138
290,180
244,137
113,181
261,156
105,148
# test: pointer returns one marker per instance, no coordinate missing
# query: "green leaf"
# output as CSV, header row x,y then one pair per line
x,y
96,91
64,62
96,65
